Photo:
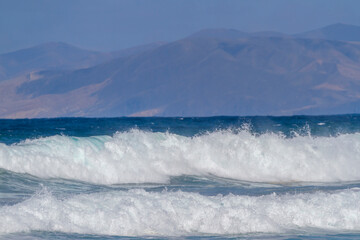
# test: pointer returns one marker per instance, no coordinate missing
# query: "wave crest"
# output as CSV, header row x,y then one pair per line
x,y
139,213
139,156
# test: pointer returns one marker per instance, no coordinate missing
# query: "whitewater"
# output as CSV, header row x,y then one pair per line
x,y
193,178
138,156
140,213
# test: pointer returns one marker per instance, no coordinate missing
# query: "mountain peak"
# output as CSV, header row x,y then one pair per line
x,y
50,55
60,46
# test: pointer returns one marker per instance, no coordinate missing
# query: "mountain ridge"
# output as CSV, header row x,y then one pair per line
x,y
337,31
241,74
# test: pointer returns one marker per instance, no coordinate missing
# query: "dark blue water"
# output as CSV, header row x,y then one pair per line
x,y
182,178
12,131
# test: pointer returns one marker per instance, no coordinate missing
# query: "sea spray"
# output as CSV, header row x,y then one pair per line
x,y
141,213
138,156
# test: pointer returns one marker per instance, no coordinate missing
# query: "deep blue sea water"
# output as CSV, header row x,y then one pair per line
x,y
180,178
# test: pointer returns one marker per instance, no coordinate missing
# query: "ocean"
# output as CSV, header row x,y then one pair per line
x,y
180,178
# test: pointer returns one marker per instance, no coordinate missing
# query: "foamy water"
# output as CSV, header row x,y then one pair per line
x,y
141,213
184,178
139,156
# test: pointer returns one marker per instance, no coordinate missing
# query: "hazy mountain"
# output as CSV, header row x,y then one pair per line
x,y
219,33
59,56
339,31
233,34
136,50
212,72
202,76
55,55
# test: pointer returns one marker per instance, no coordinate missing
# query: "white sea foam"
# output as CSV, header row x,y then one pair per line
x,y
137,213
138,156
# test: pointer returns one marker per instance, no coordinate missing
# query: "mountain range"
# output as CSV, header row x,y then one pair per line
x,y
211,72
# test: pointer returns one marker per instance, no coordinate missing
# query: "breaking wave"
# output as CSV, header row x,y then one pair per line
x,y
140,213
138,156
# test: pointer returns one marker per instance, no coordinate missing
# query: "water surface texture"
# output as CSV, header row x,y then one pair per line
x,y
181,178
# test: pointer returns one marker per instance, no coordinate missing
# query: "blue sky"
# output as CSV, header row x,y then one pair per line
x,y
107,25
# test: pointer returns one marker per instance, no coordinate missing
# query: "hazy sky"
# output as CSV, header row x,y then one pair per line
x,y
115,24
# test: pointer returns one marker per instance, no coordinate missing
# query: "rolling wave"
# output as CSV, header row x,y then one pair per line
x,y
138,156
141,213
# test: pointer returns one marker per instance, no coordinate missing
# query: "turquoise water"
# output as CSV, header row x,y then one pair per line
x,y
181,178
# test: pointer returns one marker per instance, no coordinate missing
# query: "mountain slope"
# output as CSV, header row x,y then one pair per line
x,y
55,55
210,76
232,34
59,56
136,50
